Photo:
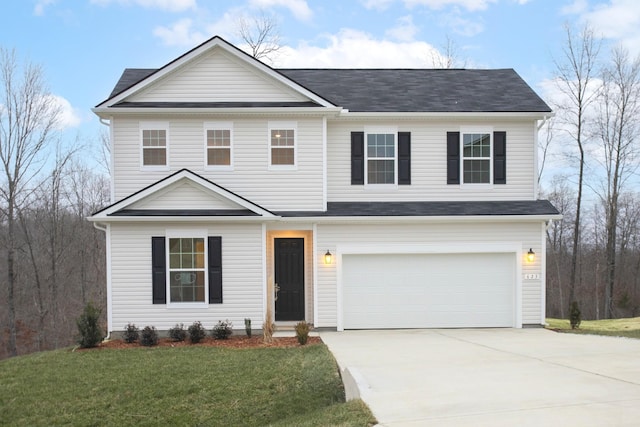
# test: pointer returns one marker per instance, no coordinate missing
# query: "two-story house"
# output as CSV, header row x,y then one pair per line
x,y
361,198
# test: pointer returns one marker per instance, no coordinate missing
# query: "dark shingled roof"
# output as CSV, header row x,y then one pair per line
x,y
373,209
399,90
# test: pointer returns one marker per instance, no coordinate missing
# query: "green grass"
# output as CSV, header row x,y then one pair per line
x,y
204,386
629,328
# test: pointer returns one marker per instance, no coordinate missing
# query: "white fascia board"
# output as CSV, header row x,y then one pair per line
x,y
346,115
105,214
105,112
404,219
204,47
181,219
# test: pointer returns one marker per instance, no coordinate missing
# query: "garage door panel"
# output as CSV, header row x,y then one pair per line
x,y
428,290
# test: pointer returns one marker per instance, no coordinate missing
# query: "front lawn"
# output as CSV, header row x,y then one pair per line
x,y
203,386
629,328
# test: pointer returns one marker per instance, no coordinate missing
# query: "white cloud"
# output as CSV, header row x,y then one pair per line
x,y
38,9
168,5
180,33
299,8
345,50
379,5
405,30
69,117
462,26
470,5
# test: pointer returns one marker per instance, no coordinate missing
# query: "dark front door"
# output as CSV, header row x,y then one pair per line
x,y
289,274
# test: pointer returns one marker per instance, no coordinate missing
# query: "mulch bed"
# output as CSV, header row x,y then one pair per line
x,y
232,342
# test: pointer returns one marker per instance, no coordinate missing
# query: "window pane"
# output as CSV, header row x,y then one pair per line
x,y
381,171
187,286
476,145
476,171
282,156
218,156
154,138
381,145
186,269
282,138
154,156
218,138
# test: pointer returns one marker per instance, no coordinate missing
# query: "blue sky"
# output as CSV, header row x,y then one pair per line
x,y
84,45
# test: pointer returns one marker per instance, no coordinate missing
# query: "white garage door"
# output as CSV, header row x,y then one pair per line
x,y
428,290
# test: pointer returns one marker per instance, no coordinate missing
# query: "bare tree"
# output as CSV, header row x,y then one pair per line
x,y
449,56
575,76
617,125
28,117
262,36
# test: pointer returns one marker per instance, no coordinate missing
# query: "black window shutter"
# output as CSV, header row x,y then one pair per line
x,y
404,158
357,158
453,157
159,270
499,157
215,269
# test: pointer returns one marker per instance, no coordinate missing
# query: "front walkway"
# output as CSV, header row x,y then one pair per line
x,y
492,377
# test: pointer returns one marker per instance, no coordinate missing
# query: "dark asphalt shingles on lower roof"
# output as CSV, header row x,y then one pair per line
x,y
385,209
404,90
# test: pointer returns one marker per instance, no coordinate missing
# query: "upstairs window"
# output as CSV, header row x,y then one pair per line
x,y
476,158
155,143
282,144
218,145
381,158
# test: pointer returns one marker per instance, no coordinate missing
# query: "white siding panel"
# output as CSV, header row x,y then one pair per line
x,y
185,195
331,237
429,163
131,278
278,190
217,76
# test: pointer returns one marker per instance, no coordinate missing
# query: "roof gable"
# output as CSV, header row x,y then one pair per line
x,y
217,63
183,188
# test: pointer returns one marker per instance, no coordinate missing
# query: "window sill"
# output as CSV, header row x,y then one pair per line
x,y
380,187
218,168
188,305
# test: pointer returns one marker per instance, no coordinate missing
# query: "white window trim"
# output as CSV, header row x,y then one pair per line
x,y
154,126
468,130
218,126
283,126
381,130
188,233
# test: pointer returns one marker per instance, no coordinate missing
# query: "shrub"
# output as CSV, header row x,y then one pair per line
x,y
131,333
178,333
222,330
575,315
302,332
89,327
149,336
247,327
196,332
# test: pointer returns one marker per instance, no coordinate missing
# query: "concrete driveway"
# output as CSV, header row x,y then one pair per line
x,y
491,377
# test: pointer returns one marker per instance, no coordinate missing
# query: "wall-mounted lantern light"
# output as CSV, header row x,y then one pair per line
x,y
531,256
327,257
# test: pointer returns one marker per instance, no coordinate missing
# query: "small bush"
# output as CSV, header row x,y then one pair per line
x,y
302,332
222,330
196,332
178,333
247,327
89,327
149,336
131,333
575,315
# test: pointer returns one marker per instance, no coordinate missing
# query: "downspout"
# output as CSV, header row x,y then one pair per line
x,y
107,253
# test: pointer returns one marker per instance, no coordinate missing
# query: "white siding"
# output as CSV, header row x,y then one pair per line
x,y
429,163
184,195
297,189
331,237
242,273
216,77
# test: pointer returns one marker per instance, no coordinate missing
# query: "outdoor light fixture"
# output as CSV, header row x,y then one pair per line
x,y
327,257
531,256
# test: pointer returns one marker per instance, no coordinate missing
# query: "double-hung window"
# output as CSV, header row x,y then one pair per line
x,y
476,157
218,145
381,158
282,145
187,269
154,145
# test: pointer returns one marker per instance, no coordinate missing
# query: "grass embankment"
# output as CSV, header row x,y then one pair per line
x,y
177,386
629,328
